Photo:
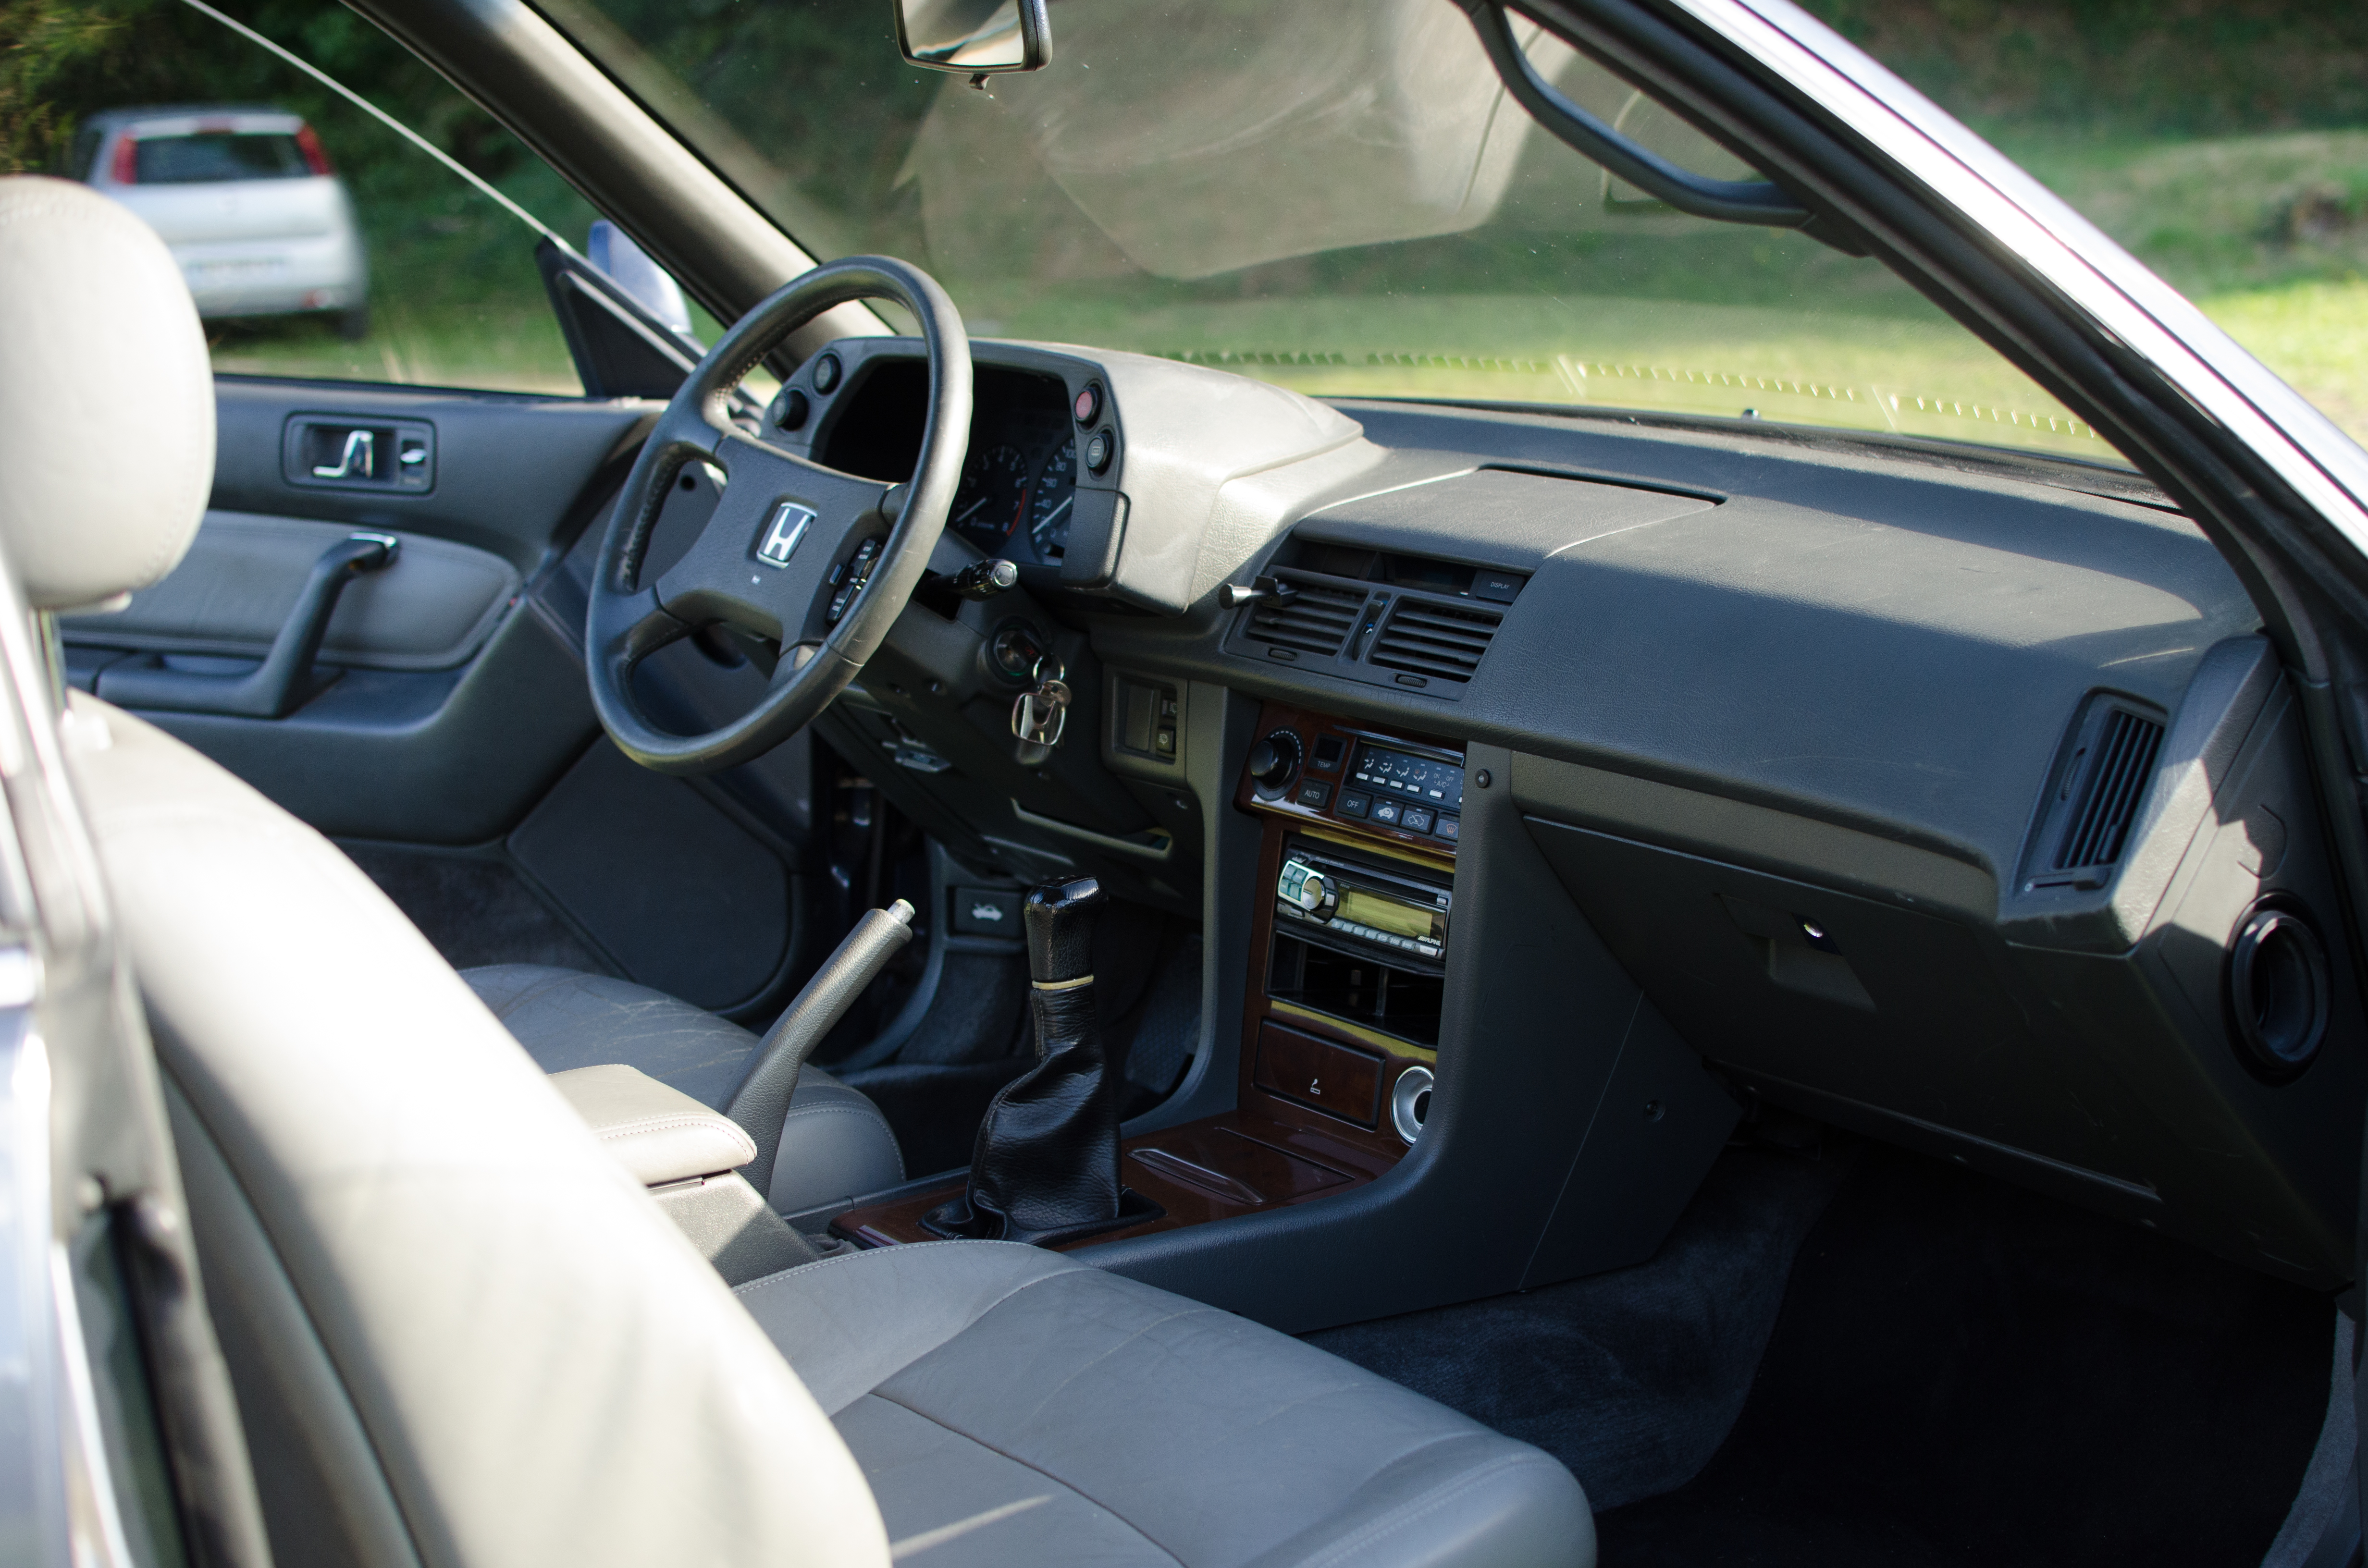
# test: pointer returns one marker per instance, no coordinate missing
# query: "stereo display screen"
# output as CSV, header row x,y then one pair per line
x,y
1389,915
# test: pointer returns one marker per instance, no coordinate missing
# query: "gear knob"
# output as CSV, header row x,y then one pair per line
x,y
1060,919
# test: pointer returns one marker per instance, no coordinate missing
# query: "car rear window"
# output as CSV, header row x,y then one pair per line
x,y
206,156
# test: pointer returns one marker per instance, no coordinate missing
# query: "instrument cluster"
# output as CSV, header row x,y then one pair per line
x,y
1020,482
1027,432
1019,486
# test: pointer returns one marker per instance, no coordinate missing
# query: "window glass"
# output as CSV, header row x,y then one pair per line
x,y
317,240
215,157
2225,145
1333,194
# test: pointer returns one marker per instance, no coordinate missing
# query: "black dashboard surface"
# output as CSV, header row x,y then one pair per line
x,y
1785,719
1788,720
1861,640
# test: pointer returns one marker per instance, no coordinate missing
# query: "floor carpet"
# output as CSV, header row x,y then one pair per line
x,y
1964,1372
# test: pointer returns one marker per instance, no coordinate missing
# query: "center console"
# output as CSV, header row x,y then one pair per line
x,y
1350,929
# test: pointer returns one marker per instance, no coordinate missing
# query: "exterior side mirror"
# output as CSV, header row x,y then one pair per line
x,y
974,38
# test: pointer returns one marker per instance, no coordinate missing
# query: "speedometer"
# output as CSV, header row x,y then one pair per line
x,y
1048,510
993,494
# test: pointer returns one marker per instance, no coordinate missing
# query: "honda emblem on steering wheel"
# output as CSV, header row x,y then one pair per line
x,y
783,528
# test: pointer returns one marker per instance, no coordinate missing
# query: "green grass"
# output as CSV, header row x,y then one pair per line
x,y
2268,233
504,346
1921,377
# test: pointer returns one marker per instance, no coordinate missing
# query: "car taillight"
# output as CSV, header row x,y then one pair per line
x,y
127,162
309,145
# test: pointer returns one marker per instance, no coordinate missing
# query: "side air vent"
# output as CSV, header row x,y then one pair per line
x,y
2103,784
2108,799
1436,642
1315,619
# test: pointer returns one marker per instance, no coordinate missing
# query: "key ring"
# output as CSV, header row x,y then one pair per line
x,y
1060,670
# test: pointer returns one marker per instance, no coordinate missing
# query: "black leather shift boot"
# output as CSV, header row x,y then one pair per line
x,y
1045,1166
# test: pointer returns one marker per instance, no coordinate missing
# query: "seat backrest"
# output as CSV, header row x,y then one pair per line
x,y
468,1336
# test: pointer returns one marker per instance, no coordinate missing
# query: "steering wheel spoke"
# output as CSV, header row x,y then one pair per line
x,y
795,552
783,535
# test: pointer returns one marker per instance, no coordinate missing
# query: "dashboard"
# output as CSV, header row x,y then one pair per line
x,y
1954,798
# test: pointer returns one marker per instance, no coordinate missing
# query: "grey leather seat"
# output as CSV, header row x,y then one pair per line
x,y
1055,1413
834,1142
459,1332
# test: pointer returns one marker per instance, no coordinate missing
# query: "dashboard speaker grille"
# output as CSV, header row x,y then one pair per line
x,y
1443,642
2107,801
1315,619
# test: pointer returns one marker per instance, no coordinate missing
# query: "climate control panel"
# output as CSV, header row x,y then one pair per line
x,y
1393,789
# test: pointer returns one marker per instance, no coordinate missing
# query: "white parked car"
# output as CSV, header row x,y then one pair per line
x,y
246,201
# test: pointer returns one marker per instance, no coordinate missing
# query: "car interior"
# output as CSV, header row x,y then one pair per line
x,y
935,945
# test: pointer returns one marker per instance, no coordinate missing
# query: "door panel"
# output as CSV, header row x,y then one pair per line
x,y
454,748
510,469
442,757
453,705
232,592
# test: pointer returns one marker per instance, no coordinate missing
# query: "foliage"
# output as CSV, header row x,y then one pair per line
x,y
2124,68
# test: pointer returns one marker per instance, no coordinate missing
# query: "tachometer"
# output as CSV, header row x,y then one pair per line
x,y
1049,508
993,495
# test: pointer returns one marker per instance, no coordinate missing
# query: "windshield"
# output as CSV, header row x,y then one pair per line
x,y
1336,195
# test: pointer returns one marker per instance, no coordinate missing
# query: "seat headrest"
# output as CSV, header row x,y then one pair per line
x,y
106,399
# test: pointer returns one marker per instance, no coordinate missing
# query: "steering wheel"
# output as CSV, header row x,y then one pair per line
x,y
819,561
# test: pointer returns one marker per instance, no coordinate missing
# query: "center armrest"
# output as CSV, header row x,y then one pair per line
x,y
659,1133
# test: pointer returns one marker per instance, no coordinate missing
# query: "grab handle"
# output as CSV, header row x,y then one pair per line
x,y
276,687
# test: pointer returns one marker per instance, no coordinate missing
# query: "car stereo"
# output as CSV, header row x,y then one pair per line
x,y
1355,906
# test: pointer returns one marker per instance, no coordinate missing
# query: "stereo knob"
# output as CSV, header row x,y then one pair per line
x,y
1273,762
1303,885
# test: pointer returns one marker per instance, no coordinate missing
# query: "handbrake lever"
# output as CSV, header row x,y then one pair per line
x,y
762,1100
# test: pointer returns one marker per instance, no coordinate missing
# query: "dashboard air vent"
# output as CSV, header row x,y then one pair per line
x,y
1315,619
1440,641
2109,792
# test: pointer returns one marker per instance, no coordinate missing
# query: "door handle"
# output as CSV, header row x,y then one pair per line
x,y
276,687
358,460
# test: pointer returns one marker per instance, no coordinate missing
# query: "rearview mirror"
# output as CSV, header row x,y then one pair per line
x,y
974,38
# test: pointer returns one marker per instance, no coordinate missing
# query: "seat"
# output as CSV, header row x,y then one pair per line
x,y
461,1334
1045,1411
834,1143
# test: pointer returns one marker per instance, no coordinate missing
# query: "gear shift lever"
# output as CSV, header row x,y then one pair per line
x,y
1045,1167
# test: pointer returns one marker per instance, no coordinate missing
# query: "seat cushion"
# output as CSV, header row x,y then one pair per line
x,y
834,1143
1010,1405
